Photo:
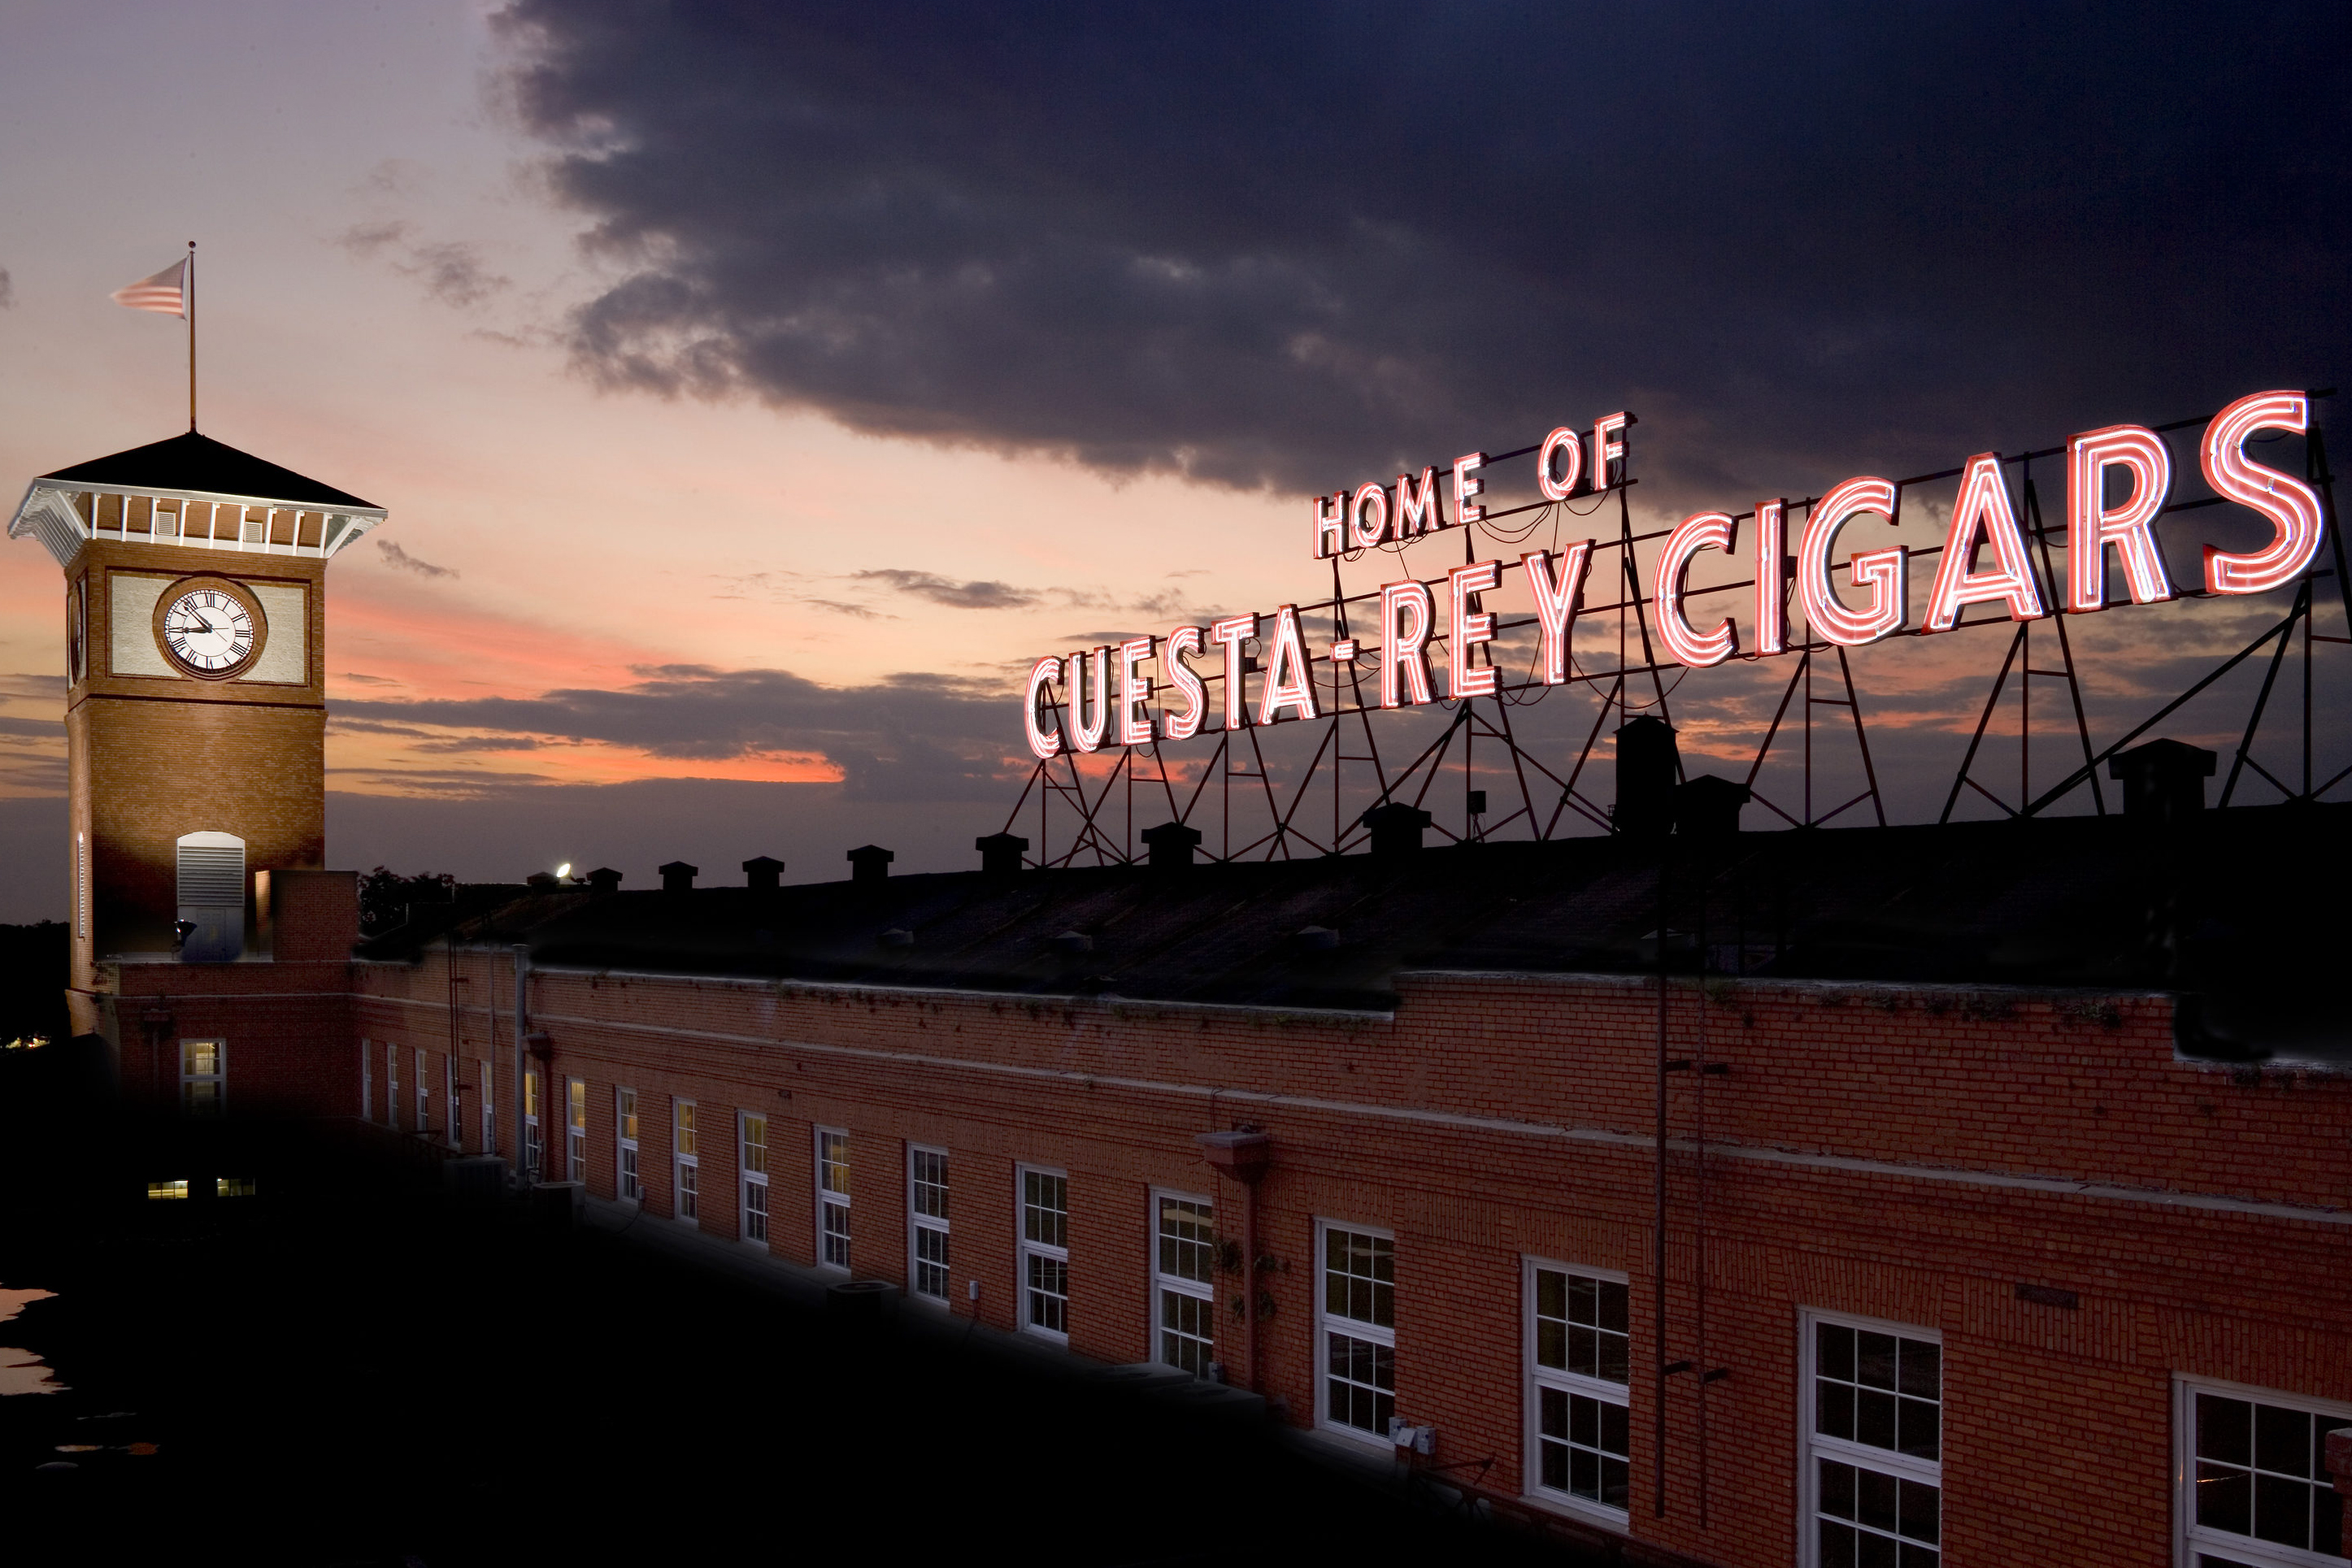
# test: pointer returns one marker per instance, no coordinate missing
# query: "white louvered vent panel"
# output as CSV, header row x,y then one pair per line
x,y
211,875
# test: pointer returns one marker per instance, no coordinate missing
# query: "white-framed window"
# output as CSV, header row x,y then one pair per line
x,y
1045,1253
629,1184
423,1096
392,1085
488,1113
454,1123
1355,1321
532,1148
204,1076
688,1160
928,1265
752,1131
1184,1281
1874,1427
2251,1474
833,1198
1579,1361
575,1129
367,1080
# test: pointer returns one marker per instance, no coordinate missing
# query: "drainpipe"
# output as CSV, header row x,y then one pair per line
x,y
1245,1155
522,1027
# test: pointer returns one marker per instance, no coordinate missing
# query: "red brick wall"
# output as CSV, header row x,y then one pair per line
x,y
1495,1118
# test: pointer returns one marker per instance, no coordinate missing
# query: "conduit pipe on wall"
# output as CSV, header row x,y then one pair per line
x,y
522,1027
1245,1154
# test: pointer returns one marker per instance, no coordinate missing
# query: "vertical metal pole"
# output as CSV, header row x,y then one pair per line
x,y
189,301
1698,1208
2025,719
522,1027
1658,1242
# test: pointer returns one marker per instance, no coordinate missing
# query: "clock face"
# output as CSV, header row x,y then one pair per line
x,y
209,630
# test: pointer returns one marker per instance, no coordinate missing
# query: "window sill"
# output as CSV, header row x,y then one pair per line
x,y
1582,1509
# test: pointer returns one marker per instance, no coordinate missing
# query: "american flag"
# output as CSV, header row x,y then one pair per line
x,y
166,293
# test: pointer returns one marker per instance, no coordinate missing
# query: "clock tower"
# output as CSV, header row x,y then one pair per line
x,y
195,713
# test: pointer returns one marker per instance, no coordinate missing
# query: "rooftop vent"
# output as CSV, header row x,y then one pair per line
x,y
540,881
1396,828
1709,807
869,863
1648,763
2164,781
1315,939
1000,853
1171,846
1071,943
897,936
762,873
603,879
678,877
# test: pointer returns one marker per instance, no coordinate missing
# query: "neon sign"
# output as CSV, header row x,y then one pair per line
x,y
1107,696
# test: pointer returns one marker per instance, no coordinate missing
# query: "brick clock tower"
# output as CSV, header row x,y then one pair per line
x,y
195,715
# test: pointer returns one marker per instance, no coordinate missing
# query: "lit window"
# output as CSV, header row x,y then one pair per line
x,y
689,1164
233,1187
1359,1330
1874,1440
204,1076
167,1189
531,1146
488,1114
927,1202
1578,1367
2254,1464
625,1118
1184,1280
755,1178
833,1198
1045,1253
575,1129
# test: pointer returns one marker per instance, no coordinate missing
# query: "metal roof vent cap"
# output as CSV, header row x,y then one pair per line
x,y
1315,939
897,936
1171,846
603,879
762,873
1071,943
1000,853
678,877
1708,806
2164,781
1396,828
869,863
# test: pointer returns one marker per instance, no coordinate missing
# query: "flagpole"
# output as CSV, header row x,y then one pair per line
x,y
192,337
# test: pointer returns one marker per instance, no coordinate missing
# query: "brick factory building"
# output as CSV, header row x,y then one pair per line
x,y
1978,1193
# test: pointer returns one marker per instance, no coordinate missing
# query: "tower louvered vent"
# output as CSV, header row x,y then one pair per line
x,y
211,870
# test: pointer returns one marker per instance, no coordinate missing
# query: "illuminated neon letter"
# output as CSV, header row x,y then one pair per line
x,y
2290,503
1984,500
1606,449
1402,650
1556,596
1771,577
1086,735
1879,571
1571,445
1134,690
1288,681
1330,518
2091,528
1043,742
1233,631
1467,484
1699,650
1419,509
1186,725
1368,516
1466,630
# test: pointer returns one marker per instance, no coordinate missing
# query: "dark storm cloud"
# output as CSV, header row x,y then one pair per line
x,y
906,736
938,589
1298,244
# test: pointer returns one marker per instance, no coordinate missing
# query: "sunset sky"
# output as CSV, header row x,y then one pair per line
x,y
756,389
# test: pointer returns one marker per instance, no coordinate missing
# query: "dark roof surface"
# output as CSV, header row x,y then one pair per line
x,y
194,462
2239,910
